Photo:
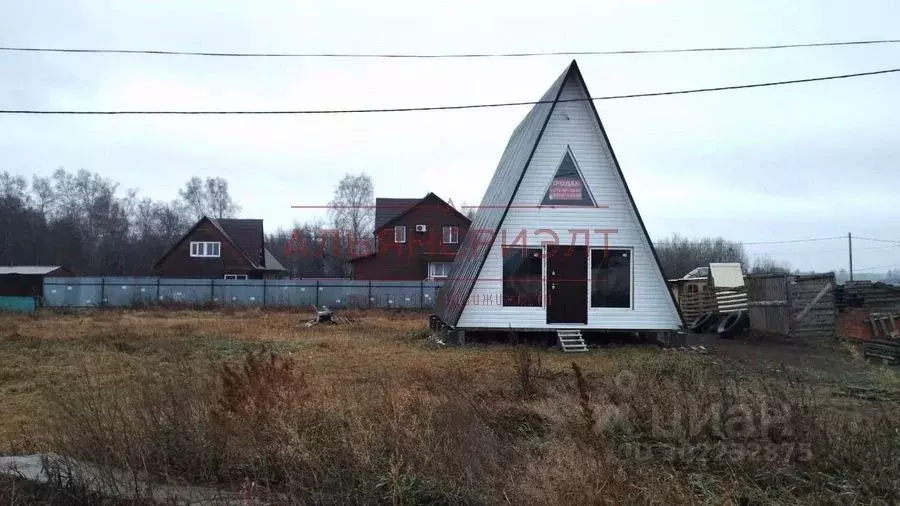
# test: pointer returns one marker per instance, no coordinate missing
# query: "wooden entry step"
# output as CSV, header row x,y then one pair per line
x,y
571,340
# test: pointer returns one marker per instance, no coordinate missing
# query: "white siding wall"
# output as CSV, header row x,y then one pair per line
x,y
573,125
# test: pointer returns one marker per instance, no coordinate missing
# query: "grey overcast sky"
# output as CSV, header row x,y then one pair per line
x,y
798,161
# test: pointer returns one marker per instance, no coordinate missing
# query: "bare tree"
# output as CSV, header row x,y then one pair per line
x,y
468,211
679,255
82,220
352,209
13,187
44,195
767,265
219,200
208,198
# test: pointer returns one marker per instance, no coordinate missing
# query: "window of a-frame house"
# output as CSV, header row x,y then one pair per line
x,y
522,277
611,278
567,188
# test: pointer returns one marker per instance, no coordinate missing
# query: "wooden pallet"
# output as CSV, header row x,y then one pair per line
x,y
884,325
886,351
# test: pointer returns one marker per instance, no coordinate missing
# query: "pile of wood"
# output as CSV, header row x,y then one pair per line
x,y
697,303
328,317
885,343
868,295
886,351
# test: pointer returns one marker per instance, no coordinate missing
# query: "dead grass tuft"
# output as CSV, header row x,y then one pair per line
x,y
528,367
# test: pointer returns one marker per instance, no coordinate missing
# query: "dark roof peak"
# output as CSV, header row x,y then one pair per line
x,y
245,234
389,209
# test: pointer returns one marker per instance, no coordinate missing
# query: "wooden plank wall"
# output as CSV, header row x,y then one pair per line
x,y
776,299
768,303
695,304
821,320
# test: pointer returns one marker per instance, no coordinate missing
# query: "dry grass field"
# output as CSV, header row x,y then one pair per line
x,y
376,412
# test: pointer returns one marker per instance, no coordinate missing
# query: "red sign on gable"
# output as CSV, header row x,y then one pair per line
x,y
565,189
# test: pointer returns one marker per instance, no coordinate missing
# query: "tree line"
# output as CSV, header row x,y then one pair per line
x,y
86,222
679,255
83,221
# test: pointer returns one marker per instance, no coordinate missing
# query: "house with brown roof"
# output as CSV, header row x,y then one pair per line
x,y
415,239
220,248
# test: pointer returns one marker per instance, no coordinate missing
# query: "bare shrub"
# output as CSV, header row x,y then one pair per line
x,y
584,401
260,422
528,367
263,386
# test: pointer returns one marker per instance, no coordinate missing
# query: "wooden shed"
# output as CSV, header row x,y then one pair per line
x,y
716,288
28,280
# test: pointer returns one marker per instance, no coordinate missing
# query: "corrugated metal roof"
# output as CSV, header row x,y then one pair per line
x,y
30,270
699,272
727,275
494,205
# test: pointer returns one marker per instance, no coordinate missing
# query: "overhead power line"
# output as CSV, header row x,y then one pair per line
x,y
451,107
876,240
841,250
877,267
797,240
158,52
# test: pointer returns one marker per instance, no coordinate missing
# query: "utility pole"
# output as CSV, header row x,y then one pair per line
x,y
850,245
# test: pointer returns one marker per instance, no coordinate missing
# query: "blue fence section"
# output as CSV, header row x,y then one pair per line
x,y
334,293
25,304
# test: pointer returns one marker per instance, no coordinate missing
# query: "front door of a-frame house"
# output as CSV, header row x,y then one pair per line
x,y
566,284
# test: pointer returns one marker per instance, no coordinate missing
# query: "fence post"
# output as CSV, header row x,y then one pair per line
x,y
421,294
317,294
212,290
102,291
157,289
264,291
370,295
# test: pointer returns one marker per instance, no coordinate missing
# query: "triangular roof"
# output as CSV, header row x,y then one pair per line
x,y
388,211
501,191
246,235
272,263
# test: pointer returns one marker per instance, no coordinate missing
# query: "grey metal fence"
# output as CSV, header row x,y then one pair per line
x,y
335,293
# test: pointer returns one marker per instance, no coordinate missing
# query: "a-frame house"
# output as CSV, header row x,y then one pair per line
x,y
557,241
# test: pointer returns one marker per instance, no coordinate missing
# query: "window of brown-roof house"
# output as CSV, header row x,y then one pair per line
x,y
400,233
450,235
